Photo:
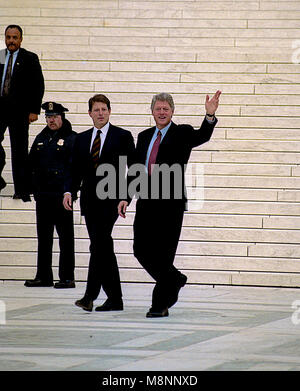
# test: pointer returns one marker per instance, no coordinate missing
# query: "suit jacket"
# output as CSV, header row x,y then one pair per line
x,y
27,83
82,174
175,148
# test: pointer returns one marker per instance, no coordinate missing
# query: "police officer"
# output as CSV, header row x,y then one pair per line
x,y
49,158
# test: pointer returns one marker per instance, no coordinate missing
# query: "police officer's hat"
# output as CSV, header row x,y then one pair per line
x,y
53,108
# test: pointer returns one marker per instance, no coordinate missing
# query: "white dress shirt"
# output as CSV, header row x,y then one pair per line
x,y
14,54
103,134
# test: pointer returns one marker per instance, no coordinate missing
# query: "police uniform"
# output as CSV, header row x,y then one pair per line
x,y
49,158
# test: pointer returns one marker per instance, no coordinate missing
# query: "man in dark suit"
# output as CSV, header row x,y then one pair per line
x,y
95,150
159,214
21,93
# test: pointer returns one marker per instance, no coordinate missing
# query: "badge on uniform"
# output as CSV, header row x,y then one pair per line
x,y
60,142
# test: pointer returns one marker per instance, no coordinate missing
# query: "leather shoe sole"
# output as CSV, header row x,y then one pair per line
x,y
85,304
152,313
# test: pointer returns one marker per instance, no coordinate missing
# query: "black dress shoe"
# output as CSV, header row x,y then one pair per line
x,y
2,183
156,313
64,284
174,290
85,303
23,197
110,305
26,198
37,282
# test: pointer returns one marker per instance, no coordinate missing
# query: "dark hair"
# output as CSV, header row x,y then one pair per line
x,y
99,98
15,26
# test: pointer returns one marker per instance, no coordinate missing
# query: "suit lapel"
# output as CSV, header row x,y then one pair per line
x,y
18,63
108,143
165,144
111,144
2,63
169,135
2,56
146,143
85,145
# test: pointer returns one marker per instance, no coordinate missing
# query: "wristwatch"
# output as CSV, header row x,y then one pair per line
x,y
211,116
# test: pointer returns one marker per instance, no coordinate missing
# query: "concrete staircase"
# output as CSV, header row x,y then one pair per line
x,y
248,230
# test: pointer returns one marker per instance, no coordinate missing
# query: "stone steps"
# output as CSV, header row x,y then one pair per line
x,y
246,232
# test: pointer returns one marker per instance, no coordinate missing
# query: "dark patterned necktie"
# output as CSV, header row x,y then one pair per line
x,y
95,151
7,79
153,154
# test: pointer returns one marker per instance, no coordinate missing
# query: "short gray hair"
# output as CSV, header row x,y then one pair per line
x,y
163,97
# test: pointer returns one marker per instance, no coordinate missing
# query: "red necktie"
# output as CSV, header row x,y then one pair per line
x,y
95,151
153,154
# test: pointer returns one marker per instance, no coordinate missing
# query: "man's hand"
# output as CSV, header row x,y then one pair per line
x,y
67,201
32,117
122,208
212,104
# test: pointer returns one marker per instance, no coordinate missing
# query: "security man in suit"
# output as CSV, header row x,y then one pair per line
x,y
49,158
158,219
96,150
21,93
